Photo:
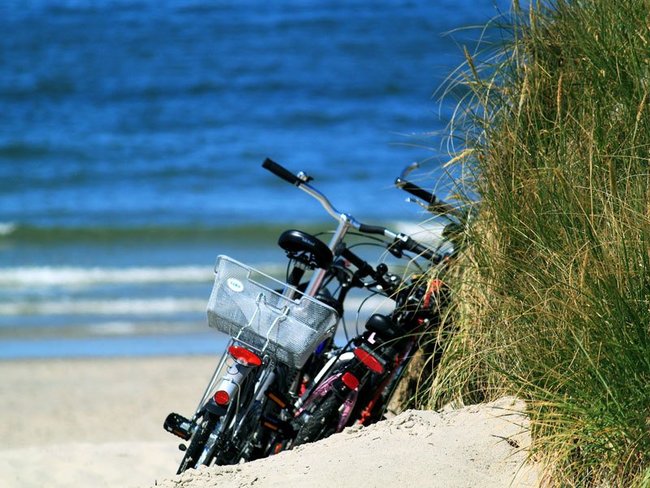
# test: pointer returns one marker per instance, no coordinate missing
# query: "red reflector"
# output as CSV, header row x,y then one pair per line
x,y
371,362
221,397
243,355
270,425
350,380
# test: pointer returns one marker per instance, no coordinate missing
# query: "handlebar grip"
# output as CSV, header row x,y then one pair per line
x,y
434,204
281,172
416,191
421,250
372,229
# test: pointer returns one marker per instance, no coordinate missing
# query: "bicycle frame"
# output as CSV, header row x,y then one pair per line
x,y
365,382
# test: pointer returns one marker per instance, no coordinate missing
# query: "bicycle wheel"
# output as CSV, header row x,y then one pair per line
x,y
198,443
322,423
236,448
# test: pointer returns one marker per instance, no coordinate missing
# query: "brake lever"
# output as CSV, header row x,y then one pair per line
x,y
396,251
418,202
384,280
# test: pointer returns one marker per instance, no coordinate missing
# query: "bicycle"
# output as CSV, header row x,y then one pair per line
x,y
281,335
367,371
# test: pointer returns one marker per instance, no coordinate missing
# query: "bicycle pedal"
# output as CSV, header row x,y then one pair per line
x,y
278,425
178,425
279,399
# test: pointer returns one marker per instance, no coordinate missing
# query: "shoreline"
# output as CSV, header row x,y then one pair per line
x,y
202,342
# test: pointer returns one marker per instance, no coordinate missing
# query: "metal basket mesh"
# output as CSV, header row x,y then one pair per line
x,y
257,315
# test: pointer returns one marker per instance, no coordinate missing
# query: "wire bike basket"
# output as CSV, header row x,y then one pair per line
x,y
249,306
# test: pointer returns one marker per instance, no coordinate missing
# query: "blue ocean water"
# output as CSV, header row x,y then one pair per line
x,y
133,132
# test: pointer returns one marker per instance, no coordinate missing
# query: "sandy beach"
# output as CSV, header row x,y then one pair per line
x,y
94,423
74,423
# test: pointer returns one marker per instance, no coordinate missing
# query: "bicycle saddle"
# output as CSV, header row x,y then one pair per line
x,y
383,326
297,241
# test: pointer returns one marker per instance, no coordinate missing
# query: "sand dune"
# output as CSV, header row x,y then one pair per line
x,y
82,423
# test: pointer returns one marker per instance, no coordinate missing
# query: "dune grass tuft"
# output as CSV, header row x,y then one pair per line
x,y
554,304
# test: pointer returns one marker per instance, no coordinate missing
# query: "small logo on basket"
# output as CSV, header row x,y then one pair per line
x,y
235,285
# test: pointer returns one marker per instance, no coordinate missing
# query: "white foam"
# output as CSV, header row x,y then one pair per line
x,y
115,328
74,276
6,228
155,306
70,276
123,327
428,233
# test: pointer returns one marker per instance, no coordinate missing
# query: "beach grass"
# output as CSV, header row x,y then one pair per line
x,y
554,300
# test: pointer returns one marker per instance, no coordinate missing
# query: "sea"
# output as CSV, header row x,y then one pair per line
x,y
132,134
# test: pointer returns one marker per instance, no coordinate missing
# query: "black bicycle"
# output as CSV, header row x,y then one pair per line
x,y
281,336
360,384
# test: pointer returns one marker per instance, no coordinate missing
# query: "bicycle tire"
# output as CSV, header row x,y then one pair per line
x,y
198,442
323,422
236,447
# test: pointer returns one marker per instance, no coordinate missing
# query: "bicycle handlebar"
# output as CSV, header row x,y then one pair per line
x,y
281,172
421,250
400,241
302,183
365,269
434,204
